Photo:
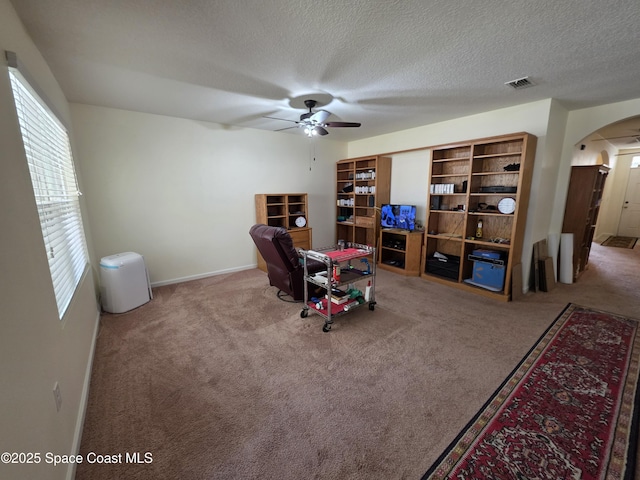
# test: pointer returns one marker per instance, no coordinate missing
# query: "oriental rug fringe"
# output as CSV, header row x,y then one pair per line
x,y
569,410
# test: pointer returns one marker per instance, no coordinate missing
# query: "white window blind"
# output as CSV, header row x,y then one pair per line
x,y
48,151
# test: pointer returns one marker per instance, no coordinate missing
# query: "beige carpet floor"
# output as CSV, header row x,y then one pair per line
x,y
218,379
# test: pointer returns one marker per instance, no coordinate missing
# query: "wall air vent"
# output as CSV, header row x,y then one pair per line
x,y
520,83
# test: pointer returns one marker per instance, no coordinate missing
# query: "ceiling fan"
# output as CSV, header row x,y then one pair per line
x,y
634,137
633,154
314,123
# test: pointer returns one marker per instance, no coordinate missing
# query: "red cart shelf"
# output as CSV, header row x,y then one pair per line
x,y
333,257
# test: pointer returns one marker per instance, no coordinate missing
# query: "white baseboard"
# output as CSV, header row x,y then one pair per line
x,y
84,400
202,275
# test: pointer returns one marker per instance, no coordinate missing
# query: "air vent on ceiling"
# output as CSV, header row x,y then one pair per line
x,y
519,83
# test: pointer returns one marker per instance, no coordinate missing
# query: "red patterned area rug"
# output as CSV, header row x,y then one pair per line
x,y
568,411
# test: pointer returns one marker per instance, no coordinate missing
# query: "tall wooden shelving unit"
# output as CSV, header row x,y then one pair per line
x,y
586,186
477,180
363,186
282,210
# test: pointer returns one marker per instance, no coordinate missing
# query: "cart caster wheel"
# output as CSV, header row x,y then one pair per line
x,y
326,328
372,306
304,313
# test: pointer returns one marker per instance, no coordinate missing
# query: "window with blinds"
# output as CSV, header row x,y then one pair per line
x,y
48,151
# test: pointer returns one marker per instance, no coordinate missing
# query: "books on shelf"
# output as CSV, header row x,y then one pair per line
x,y
442,188
321,277
339,296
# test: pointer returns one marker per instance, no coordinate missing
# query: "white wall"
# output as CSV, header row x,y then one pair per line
x,y
181,192
542,200
36,348
409,173
530,117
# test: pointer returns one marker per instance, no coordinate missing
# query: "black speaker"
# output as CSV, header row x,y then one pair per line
x,y
435,202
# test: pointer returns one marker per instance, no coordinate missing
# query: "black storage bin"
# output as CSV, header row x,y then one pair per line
x,y
448,269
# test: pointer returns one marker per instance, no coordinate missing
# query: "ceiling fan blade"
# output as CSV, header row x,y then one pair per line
x,y
285,128
616,138
283,119
321,131
627,153
343,124
320,116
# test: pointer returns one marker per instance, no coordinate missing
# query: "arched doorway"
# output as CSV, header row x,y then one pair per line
x,y
611,145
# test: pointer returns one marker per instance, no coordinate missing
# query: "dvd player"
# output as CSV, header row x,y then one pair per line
x,y
498,189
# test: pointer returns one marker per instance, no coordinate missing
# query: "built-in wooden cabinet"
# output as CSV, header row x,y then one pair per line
x,y
477,201
362,186
586,186
288,210
399,251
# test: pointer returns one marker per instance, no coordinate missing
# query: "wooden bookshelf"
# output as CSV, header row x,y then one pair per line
x,y
362,186
467,184
283,210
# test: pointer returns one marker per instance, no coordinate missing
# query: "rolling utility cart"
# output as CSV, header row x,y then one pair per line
x,y
349,281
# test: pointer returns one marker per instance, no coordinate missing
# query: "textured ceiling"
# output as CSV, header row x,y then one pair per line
x,y
389,64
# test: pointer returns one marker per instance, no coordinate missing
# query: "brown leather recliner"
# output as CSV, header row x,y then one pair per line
x,y
284,265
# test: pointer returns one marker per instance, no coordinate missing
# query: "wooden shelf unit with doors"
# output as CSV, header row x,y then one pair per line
x,y
400,251
363,186
288,210
586,186
468,184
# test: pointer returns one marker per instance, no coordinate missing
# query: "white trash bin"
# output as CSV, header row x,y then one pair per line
x,y
124,282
